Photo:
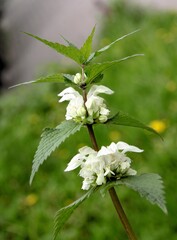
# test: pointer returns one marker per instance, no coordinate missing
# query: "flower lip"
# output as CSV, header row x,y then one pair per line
x,y
127,148
95,90
108,164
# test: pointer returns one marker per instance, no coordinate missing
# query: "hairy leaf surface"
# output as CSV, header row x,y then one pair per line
x,y
95,69
54,78
124,119
148,185
87,47
69,51
64,213
51,138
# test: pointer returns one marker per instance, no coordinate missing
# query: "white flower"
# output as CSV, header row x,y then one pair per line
x,y
99,167
75,109
94,108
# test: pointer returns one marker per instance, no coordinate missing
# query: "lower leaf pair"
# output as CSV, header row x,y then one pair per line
x,y
149,186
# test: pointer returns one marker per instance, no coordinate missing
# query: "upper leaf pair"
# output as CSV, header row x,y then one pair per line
x,y
82,56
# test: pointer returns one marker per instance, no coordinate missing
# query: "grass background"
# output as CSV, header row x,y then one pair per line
x,y
145,88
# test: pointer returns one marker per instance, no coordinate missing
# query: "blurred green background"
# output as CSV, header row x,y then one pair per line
x,y
145,87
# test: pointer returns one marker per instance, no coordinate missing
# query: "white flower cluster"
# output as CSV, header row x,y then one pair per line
x,y
108,163
93,110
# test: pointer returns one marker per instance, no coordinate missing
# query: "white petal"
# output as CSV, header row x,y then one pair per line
x,y
103,118
67,91
67,97
86,184
128,148
131,172
100,179
95,90
103,151
75,162
113,147
125,165
104,111
68,94
86,150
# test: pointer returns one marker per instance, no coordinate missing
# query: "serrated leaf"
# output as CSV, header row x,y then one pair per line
x,y
54,78
95,69
87,46
98,52
124,119
68,51
51,138
64,213
148,185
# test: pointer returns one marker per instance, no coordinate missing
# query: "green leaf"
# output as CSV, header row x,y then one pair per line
x,y
87,46
50,140
148,185
124,119
69,51
95,69
68,42
69,77
54,78
64,213
98,52
97,79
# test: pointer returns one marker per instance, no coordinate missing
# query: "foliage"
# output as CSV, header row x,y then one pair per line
x,y
148,185
157,40
63,214
52,138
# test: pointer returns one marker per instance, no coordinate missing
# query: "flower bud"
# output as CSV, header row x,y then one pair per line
x,y
103,118
81,112
77,78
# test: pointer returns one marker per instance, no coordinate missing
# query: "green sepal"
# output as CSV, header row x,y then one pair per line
x,y
87,47
70,51
105,48
63,214
148,185
95,69
51,138
124,119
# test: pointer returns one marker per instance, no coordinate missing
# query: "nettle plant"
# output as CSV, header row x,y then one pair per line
x,y
101,169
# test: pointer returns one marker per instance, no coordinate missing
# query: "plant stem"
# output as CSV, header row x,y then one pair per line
x,y
112,191
122,215
113,194
92,137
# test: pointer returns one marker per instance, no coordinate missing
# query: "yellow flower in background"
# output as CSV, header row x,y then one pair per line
x,y
114,136
31,199
158,125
